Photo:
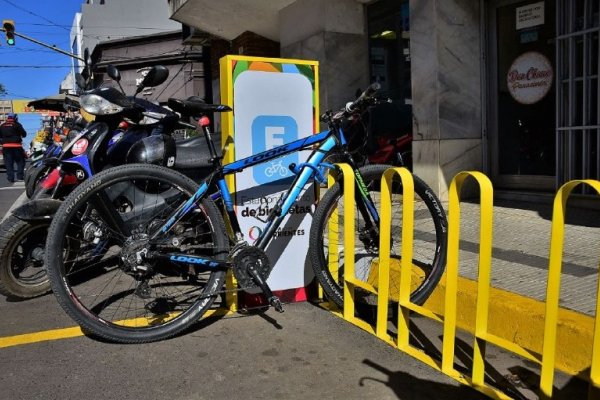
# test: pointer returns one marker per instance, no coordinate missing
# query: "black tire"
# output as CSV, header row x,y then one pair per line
x,y
430,237
96,286
33,176
22,272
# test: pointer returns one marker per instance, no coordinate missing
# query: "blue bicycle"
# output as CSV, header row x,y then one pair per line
x,y
139,252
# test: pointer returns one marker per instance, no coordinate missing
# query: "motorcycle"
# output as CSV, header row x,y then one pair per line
x,y
126,129
51,145
41,151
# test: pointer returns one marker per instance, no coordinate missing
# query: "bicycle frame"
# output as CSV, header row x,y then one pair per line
x,y
327,140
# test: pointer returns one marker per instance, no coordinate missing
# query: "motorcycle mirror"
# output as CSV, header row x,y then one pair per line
x,y
86,57
156,75
80,80
113,72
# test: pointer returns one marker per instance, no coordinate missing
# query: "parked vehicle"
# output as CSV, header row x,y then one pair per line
x,y
396,151
126,129
48,143
166,247
383,135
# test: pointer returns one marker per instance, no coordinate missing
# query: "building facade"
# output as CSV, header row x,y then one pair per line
x,y
186,65
508,87
105,20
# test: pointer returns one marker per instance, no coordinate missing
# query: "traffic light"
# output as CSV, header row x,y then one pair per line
x,y
9,30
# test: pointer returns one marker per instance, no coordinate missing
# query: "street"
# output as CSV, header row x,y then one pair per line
x,y
305,352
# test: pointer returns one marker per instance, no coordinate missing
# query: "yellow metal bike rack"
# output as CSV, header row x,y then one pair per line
x,y
553,294
482,336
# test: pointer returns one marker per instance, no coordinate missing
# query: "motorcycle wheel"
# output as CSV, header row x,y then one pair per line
x,y
22,272
33,176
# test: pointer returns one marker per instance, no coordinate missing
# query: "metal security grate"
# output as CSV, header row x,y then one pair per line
x,y
577,90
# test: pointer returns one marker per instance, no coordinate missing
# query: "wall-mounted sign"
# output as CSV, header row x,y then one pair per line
x,y
275,102
530,77
530,15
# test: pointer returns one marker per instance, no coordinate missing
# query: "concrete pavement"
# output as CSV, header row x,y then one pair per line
x,y
305,352
521,245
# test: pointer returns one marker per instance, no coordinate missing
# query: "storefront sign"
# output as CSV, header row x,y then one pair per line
x,y
530,77
275,102
530,15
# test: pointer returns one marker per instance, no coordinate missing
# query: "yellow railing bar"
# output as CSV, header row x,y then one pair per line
x,y
553,293
484,281
408,200
333,235
349,213
485,255
482,336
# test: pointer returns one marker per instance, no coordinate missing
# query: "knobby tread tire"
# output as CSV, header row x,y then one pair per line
x,y
113,332
333,290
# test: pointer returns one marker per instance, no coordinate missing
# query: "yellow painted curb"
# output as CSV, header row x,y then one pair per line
x,y
75,331
520,319
44,336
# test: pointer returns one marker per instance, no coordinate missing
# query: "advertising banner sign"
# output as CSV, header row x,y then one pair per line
x,y
275,101
20,107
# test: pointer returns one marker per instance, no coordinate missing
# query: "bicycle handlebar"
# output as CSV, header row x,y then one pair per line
x,y
365,97
369,92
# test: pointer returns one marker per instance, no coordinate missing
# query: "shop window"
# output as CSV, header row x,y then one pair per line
x,y
388,27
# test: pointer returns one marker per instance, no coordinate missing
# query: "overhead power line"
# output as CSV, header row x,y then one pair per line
x,y
35,66
68,29
34,14
99,26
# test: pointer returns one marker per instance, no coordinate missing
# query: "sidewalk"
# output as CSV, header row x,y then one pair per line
x,y
521,245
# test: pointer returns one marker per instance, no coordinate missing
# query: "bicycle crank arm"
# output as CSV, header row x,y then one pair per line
x,y
271,298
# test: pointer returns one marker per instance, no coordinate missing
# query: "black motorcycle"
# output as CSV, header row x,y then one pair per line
x,y
125,130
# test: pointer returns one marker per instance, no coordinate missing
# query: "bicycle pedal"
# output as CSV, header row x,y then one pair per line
x,y
276,303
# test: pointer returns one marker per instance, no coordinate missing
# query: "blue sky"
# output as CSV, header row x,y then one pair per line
x,y
48,21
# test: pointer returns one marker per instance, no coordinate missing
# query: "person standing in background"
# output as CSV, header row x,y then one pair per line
x,y
11,135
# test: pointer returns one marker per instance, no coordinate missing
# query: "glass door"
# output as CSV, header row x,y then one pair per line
x,y
522,109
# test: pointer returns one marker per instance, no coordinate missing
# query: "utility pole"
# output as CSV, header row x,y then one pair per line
x,y
52,47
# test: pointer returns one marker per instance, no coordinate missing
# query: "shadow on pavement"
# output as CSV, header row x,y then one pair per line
x,y
406,386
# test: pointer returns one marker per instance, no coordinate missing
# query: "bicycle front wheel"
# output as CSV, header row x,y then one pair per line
x,y
327,252
101,261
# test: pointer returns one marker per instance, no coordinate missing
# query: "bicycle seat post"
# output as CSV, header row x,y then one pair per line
x,y
204,122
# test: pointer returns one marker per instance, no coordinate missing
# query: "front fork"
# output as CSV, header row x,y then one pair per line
x,y
365,206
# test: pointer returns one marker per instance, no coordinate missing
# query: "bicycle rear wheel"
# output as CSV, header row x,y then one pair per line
x,y
104,274
327,252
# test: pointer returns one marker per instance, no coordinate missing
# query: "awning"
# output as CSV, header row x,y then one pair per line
x,y
55,103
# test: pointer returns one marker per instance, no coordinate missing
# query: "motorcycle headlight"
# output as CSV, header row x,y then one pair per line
x,y
97,105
